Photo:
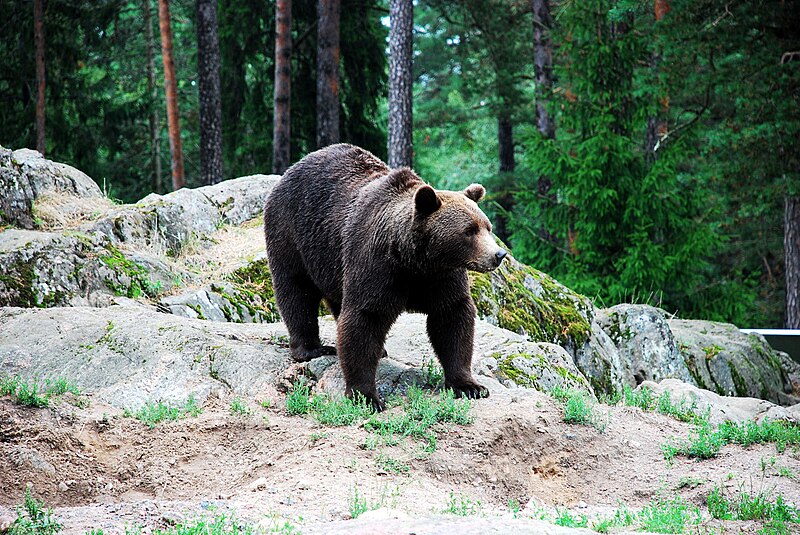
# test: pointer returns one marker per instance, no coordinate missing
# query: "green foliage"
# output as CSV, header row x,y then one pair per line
x,y
298,399
155,413
705,441
645,399
239,407
774,513
30,394
34,519
461,505
668,515
579,407
568,520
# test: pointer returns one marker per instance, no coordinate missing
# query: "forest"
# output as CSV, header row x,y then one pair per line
x,y
642,152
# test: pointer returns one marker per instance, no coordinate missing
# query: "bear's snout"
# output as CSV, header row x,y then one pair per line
x,y
499,256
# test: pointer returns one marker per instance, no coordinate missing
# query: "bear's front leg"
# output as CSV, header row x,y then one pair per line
x,y
360,339
451,330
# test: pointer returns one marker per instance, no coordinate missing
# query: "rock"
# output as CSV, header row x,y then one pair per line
x,y
43,269
63,487
6,521
647,348
25,176
541,366
723,408
173,518
127,356
724,360
173,220
245,297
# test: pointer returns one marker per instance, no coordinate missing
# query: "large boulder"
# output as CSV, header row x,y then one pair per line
x,y
646,346
26,176
43,269
721,358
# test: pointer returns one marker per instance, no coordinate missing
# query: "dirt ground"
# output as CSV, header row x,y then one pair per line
x,y
101,470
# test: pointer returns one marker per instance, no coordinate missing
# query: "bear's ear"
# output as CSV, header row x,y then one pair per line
x,y
425,201
475,192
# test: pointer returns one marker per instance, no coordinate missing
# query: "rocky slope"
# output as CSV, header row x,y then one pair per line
x,y
170,299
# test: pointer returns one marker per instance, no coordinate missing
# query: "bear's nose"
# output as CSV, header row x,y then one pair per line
x,y
500,255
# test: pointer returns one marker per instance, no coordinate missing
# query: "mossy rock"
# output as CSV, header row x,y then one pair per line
x,y
526,301
542,366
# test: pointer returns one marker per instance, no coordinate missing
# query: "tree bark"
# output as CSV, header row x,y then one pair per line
x,y
281,130
791,253
171,90
328,12
38,35
505,138
209,92
155,139
401,18
543,65
657,124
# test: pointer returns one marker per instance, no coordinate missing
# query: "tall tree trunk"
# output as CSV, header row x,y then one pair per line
x,y
209,93
543,75
328,12
401,19
38,35
282,112
791,253
171,90
155,139
543,65
505,138
657,124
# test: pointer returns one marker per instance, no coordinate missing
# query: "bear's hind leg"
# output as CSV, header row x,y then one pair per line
x,y
298,300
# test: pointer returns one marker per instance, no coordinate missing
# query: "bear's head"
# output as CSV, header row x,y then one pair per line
x,y
453,231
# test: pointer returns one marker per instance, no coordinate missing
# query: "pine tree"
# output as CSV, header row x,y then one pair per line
x,y
281,132
209,90
401,19
328,72
171,90
38,28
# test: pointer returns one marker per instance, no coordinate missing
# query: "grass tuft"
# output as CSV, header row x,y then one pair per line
x,y
33,518
31,394
579,407
705,441
155,413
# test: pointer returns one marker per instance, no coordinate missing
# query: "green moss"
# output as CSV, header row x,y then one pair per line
x,y
198,310
19,281
554,316
738,381
507,370
140,282
254,293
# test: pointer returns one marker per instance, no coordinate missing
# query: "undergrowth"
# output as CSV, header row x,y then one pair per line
x,y
33,518
705,441
32,394
644,398
155,413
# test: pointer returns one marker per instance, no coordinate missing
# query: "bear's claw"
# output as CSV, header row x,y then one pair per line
x,y
470,391
304,355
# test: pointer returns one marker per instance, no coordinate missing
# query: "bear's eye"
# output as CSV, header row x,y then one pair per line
x,y
471,230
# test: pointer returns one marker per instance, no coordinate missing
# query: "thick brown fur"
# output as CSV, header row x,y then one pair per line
x,y
374,242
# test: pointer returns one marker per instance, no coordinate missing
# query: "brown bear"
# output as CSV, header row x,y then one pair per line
x,y
374,242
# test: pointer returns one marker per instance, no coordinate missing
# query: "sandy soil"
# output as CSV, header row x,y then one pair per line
x,y
101,470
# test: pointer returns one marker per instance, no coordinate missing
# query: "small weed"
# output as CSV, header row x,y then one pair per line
x,y
391,465
358,504
220,525
668,516
318,436
514,507
239,407
783,471
433,373
579,408
688,482
564,518
775,514
297,401
266,403
33,518
340,411
645,399
461,505
155,413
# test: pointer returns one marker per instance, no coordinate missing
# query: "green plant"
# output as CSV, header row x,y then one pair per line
x,y
391,464
33,518
433,373
297,401
155,413
340,411
221,525
29,393
705,442
514,507
579,408
239,407
462,505
668,515
565,518
358,504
